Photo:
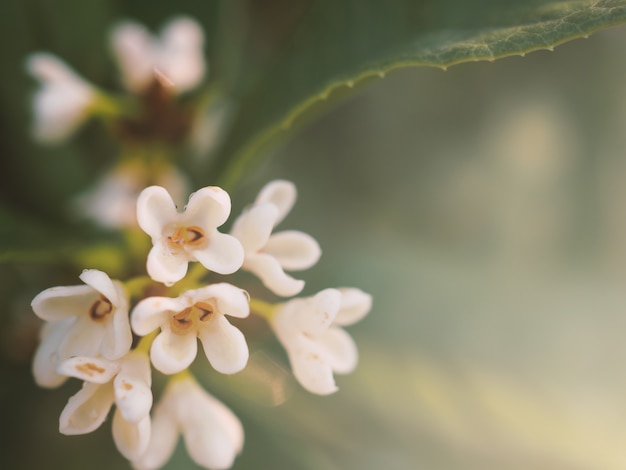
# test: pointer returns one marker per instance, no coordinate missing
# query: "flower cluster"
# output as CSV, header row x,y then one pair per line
x,y
89,328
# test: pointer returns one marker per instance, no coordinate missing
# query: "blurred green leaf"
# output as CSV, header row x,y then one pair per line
x,y
319,46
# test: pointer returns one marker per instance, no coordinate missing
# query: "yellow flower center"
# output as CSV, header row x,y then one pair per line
x,y
185,320
186,236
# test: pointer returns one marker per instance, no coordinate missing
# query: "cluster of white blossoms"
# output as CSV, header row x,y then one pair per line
x,y
89,329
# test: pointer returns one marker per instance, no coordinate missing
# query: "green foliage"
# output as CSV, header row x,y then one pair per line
x,y
333,44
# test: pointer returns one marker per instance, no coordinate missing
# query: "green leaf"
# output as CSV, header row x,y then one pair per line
x,y
334,44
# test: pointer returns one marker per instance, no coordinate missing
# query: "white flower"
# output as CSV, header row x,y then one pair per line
x,y
126,382
176,56
46,358
212,433
62,102
113,201
199,314
267,254
309,329
89,320
188,236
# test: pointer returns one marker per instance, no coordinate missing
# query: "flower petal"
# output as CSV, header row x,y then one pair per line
x,y
311,367
132,387
340,349
171,353
163,435
152,312
294,250
155,210
83,338
102,283
89,369
46,359
213,435
230,300
131,439
281,193
87,409
58,303
208,208
180,55
133,47
117,338
355,304
222,254
166,266
254,227
270,272
224,345
320,312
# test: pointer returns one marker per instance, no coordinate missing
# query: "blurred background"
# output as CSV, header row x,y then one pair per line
x,y
482,207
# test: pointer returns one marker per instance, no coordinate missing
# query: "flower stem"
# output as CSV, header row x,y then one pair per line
x,y
263,309
146,341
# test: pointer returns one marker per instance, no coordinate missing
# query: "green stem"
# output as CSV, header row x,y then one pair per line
x,y
146,341
263,309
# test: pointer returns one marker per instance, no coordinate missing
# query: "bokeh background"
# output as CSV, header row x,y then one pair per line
x,y
482,207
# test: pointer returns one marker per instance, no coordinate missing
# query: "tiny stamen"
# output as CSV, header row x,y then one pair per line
x,y
205,310
100,308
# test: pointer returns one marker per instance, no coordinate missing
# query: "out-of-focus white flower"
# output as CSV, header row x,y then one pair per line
x,y
89,320
309,329
113,202
212,433
267,254
126,382
63,101
176,56
199,314
192,235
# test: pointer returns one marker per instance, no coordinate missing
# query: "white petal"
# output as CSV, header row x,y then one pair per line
x,y
355,304
83,338
45,361
102,283
133,47
118,337
224,345
163,436
132,386
213,434
320,312
270,272
155,210
208,208
281,193
230,300
131,439
171,353
166,266
180,55
340,349
311,367
222,254
90,369
58,303
63,101
294,250
153,312
86,410
254,227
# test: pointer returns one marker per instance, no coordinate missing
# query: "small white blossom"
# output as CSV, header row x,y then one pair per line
x,y
212,433
86,320
192,235
176,56
113,201
126,382
309,330
199,314
267,254
63,101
